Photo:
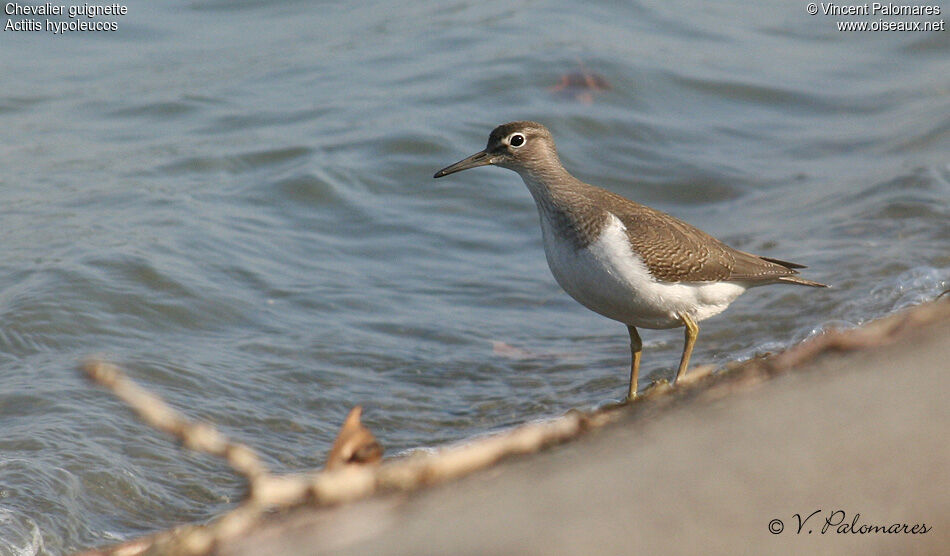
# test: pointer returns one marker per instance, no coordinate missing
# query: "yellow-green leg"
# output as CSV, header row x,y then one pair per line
x,y
636,346
692,331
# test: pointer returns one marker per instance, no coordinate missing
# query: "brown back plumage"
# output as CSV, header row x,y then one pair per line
x,y
673,250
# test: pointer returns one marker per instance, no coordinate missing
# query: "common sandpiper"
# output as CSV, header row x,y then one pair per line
x,y
624,260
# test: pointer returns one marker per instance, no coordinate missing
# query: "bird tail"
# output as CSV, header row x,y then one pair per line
x,y
794,279
786,264
802,282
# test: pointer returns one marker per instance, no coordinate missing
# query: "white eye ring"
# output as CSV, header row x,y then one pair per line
x,y
516,140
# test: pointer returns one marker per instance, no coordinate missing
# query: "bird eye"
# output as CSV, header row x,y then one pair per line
x,y
516,140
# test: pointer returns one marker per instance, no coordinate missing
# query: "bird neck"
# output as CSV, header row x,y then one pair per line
x,y
551,186
565,205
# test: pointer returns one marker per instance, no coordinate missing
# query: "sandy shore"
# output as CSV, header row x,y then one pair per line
x,y
818,450
858,437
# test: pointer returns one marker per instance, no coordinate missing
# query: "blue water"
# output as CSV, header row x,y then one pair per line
x,y
233,200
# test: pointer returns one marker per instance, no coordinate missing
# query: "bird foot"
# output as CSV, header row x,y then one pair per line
x,y
656,387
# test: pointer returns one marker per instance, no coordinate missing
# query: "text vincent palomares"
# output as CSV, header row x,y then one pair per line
x,y
877,8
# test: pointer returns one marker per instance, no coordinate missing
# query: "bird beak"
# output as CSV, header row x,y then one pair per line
x,y
478,159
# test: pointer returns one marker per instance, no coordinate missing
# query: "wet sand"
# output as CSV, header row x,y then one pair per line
x,y
854,433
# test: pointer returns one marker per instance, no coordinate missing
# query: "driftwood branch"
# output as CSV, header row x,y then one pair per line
x,y
342,483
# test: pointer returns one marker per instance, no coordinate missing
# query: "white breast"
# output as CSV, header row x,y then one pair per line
x,y
609,278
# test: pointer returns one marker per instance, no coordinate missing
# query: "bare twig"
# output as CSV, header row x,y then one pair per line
x,y
355,445
345,483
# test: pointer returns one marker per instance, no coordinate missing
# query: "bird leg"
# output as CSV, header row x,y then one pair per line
x,y
692,331
636,346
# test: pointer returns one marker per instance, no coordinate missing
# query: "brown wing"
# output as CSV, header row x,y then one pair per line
x,y
675,251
